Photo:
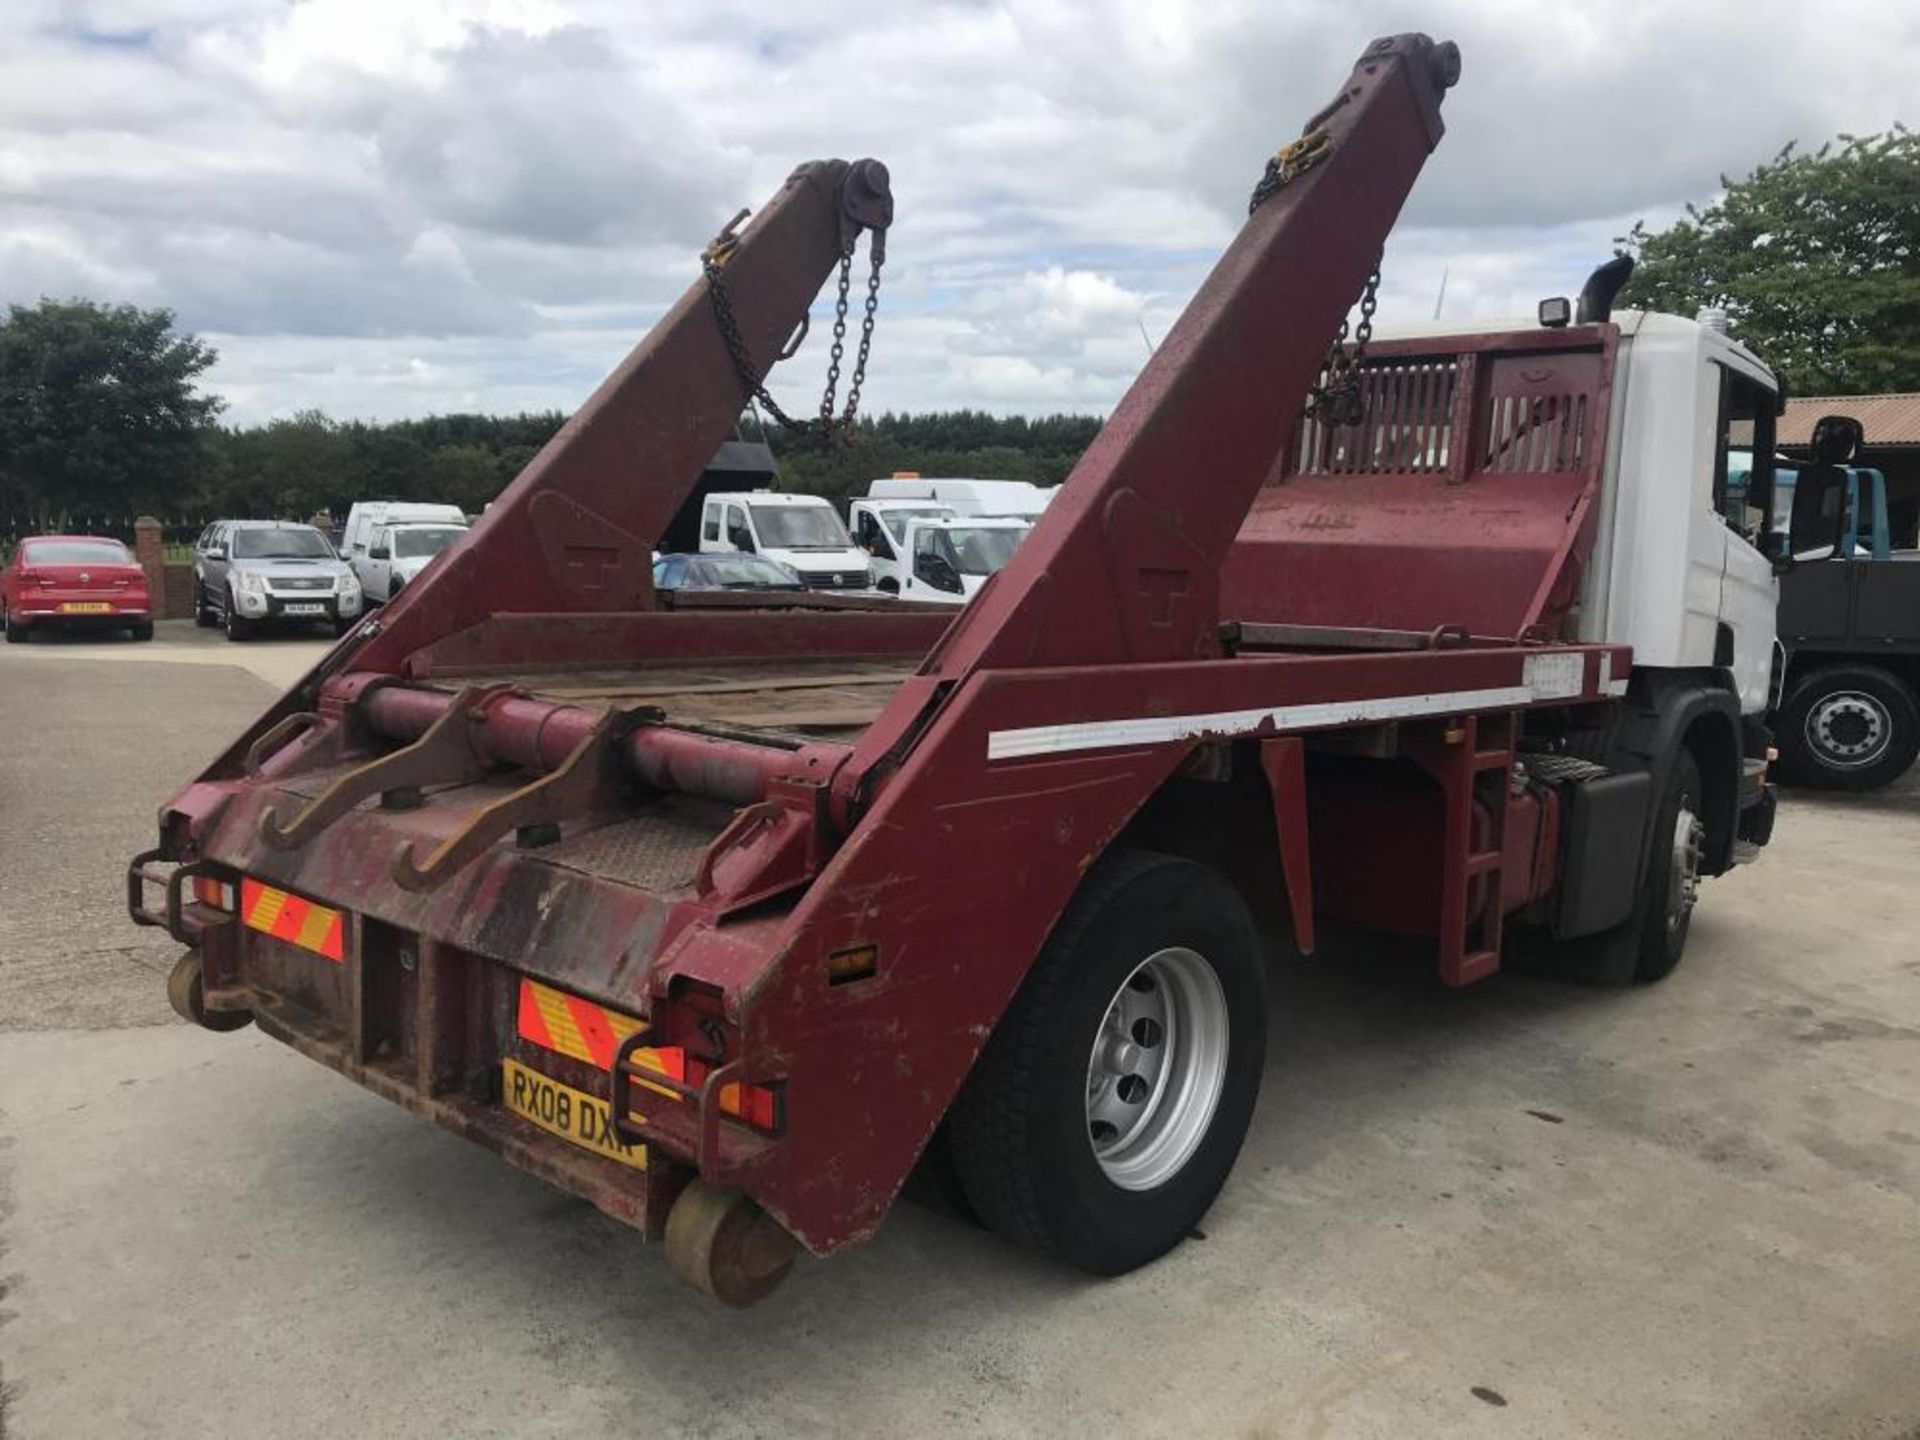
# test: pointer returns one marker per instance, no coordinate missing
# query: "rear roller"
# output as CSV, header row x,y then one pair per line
x,y
187,993
726,1246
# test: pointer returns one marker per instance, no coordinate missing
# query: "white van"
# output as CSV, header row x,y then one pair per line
x,y
801,531
952,556
388,542
967,497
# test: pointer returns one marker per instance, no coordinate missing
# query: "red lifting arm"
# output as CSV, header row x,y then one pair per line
x,y
575,532
1124,564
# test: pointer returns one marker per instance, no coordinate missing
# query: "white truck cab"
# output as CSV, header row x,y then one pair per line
x,y
801,531
967,497
880,528
950,557
1672,574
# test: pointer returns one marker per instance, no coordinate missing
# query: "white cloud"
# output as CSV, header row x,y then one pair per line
x,y
387,208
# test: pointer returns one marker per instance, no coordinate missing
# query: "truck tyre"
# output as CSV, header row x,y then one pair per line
x,y
1109,1105
1673,874
1848,727
1649,944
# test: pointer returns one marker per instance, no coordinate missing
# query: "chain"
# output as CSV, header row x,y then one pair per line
x,y
1289,162
826,428
1336,398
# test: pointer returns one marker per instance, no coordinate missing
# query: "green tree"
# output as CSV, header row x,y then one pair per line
x,y
99,414
1815,257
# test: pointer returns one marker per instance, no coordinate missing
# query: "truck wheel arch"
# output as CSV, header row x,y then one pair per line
x,y
1667,712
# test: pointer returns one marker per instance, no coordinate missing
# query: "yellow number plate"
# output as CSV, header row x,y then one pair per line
x,y
571,1114
85,607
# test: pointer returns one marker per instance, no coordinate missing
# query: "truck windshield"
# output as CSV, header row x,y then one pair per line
x,y
287,542
417,540
799,527
983,551
896,520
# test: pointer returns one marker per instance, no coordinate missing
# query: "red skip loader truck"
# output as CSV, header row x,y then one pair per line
x,y
681,908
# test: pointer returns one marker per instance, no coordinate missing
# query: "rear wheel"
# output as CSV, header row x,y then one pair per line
x,y
16,629
1849,727
142,630
1110,1104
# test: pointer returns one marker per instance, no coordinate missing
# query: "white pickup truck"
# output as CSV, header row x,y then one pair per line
x,y
801,531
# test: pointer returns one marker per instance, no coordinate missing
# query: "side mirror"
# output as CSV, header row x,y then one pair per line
x,y
1817,528
1836,439
379,552
218,552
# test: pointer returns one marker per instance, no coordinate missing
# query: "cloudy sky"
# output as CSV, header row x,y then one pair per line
x,y
391,207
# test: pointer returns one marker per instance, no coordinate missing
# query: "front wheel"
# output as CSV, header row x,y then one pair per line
x,y
1110,1104
203,615
238,626
1848,727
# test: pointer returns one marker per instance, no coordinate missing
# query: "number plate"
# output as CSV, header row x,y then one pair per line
x,y
561,1110
85,607
303,607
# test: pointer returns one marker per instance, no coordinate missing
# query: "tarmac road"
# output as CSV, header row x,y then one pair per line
x,y
1522,1210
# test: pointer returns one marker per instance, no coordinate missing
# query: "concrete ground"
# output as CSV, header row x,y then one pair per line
x,y
1522,1210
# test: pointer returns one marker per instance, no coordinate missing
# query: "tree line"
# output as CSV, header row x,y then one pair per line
x,y
1815,255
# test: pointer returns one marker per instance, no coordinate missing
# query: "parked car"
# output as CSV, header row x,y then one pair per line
x,y
73,582
252,573
723,572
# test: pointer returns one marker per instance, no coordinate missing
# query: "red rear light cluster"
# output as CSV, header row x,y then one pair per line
x,y
757,1105
209,891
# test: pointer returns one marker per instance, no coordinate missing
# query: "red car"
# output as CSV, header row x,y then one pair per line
x,y
74,581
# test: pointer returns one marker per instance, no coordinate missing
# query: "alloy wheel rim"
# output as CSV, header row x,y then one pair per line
x,y
1156,1069
1683,888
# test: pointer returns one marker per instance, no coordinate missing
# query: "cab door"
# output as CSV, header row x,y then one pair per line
x,y
1749,593
378,580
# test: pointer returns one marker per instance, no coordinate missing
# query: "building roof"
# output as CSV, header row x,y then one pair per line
x,y
1887,419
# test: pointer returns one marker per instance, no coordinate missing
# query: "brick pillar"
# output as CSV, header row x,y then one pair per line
x,y
149,548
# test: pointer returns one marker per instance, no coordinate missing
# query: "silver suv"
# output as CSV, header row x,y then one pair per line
x,y
252,573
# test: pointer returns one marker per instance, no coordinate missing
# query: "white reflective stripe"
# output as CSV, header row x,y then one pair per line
x,y
1155,730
